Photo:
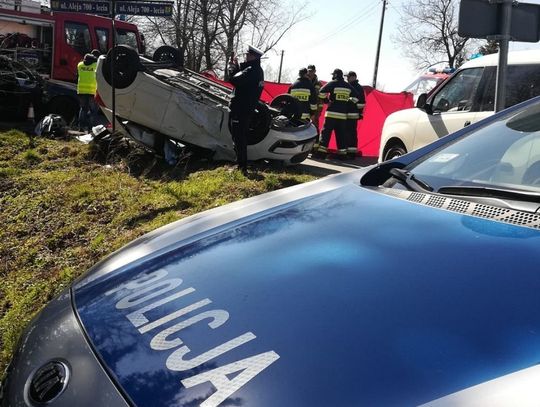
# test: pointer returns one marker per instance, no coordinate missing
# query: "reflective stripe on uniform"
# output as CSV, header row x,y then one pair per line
x,y
352,150
322,149
305,116
336,115
322,95
301,94
342,151
353,115
342,94
313,107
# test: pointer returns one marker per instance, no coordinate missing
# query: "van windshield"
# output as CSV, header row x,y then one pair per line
x,y
458,94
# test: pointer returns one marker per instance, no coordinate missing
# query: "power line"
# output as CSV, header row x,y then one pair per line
x,y
367,13
355,19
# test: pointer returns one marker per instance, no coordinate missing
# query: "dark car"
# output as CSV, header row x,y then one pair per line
x,y
19,89
415,281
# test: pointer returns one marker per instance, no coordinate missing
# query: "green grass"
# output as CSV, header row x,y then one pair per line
x,y
62,208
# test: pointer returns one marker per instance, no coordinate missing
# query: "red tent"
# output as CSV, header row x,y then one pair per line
x,y
379,106
270,91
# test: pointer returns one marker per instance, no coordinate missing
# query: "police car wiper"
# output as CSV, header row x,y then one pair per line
x,y
410,180
491,192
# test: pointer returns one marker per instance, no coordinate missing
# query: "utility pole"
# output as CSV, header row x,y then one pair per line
x,y
280,65
379,46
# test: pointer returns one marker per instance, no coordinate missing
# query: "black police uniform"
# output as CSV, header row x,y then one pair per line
x,y
248,81
303,90
339,93
354,114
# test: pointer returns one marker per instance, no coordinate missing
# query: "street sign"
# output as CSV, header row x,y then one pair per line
x,y
153,9
134,8
483,19
82,6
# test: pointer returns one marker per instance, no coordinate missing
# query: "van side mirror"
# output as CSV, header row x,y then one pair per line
x,y
421,102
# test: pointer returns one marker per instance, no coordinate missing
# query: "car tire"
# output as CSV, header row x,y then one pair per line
x,y
394,150
260,124
126,66
166,53
288,106
64,106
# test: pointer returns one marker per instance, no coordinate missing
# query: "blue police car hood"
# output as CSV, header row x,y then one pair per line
x,y
349,297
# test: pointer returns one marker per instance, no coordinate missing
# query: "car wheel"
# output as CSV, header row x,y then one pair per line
x,y
395,150
166,53
260,124
64,106
126,66
288,106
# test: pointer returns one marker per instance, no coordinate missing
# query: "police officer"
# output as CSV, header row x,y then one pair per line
x,y
248,81
86,89
338,93
317,84
354,113
304,92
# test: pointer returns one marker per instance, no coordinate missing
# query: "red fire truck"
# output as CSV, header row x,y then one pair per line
x,y
53,43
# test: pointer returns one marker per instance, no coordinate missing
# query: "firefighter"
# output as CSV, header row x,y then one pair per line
x,y
353,115
86,89
317,84
304,92
337,93
248,81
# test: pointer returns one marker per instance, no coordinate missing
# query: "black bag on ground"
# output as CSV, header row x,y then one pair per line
x,y
52,125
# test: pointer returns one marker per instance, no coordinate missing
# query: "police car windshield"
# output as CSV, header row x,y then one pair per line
x,y
503,155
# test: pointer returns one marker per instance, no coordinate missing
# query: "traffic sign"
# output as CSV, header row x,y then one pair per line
x,y
483,19
82,6
154,9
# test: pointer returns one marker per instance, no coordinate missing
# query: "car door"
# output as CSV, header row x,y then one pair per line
x,y
453,107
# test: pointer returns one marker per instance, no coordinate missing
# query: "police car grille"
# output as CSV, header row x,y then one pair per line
x,y
505,215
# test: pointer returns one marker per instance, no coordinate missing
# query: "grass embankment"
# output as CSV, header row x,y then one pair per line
x,y
61,210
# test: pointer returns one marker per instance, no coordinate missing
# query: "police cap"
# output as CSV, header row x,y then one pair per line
x,y
254,51
351,73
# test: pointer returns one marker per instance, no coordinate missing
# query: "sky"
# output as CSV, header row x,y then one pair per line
x,y
343,34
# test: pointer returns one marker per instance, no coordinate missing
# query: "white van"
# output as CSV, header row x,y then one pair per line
x,y
466,97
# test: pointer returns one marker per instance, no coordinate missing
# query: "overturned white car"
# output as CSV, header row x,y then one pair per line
x,y
159,101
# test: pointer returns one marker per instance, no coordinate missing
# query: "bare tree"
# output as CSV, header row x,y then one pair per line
x,y
428,33
270,20
209,32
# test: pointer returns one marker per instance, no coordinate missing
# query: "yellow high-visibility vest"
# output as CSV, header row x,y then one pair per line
x,y
86,84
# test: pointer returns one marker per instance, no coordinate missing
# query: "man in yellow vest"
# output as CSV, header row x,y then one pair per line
x,y
86,89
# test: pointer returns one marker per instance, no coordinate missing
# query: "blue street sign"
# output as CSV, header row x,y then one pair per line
x,y
155,9
82,6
